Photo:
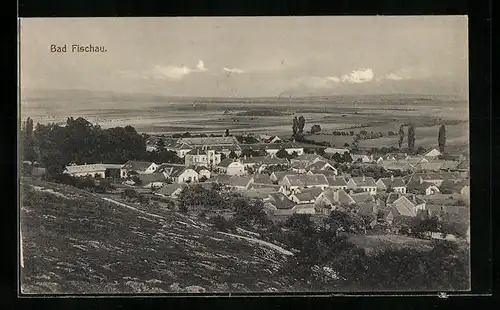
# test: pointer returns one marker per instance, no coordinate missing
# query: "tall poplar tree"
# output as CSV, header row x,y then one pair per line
x,y
442,138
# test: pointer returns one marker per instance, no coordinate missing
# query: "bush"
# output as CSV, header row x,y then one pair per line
x,y
221,224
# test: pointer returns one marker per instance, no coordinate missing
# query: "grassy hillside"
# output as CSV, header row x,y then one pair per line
x,y
75,242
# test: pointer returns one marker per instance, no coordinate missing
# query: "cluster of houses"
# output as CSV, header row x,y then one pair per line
x,y
308,183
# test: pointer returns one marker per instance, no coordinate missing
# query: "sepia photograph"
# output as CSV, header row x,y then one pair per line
x,y
199,155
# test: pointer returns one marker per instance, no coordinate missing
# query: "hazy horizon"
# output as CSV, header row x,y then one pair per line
x,y
244,57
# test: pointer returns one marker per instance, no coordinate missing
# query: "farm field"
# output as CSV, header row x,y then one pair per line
x,y
256,115
75,242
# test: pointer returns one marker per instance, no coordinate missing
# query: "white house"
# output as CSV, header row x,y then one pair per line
x,y
397,184
202,156
363,183
92,170
231,167
182,175
139,167
432,153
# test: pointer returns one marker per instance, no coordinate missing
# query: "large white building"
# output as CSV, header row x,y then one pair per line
x,y
92,170
202,156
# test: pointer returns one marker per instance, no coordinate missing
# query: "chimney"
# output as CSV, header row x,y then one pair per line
x,y
351,192
392,177
421,180
364,178
336,196
334,177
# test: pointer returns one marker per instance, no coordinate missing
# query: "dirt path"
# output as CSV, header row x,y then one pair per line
x,y
130,207
268,244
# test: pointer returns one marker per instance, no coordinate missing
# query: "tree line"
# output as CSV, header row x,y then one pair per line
x,y
81,142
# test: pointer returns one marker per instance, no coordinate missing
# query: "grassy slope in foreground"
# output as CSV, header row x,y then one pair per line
x,y
79,243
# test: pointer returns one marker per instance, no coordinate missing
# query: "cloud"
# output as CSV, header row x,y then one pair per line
x,y
176,72
233,70
358,76
408,74
394,77
335,79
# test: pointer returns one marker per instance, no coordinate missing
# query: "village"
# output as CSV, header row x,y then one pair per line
x,y
388,190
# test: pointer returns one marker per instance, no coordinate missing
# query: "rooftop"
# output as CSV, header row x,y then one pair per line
x,y
137,165
85,168
364,181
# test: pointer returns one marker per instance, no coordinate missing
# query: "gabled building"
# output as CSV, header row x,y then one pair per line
x,y
435,178
262,179
341,151
302,198
230,166
209,141
406,205
450,165
138,167
277,176
432,153
291,183
91,170
396,184
394,165
361,198
240,182
279,204
203,172
180,175
362,158
170,190
152,180
363,183
320,167
430,166
308,158
336,182
421,187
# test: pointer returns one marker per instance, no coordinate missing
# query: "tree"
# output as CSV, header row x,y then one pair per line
x,y
160,144
295,126
347,157
227,133
232,155
339,221
442,138
315,128
282,153
346,144
222,156
411,137
401,136
301,124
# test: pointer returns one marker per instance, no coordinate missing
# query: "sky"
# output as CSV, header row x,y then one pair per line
x,y
249,56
